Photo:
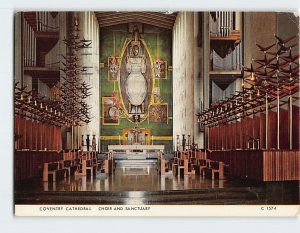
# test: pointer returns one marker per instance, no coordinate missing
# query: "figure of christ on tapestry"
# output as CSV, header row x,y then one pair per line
x,y
136,80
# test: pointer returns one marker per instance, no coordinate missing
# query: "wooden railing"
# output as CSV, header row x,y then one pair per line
x,y
29,164
264,165
251,132
32,135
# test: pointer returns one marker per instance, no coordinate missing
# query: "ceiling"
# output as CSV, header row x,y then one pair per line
x,y
159,19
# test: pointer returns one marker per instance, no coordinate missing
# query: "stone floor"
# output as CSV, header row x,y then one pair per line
x,y
146,186
128,179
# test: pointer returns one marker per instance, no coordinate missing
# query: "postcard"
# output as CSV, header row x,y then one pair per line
x,y
156,113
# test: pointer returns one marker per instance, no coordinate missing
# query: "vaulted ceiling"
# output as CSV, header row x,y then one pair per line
x,y
159,19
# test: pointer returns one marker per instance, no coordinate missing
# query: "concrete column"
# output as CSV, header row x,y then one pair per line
x,y
247,38
205,67
197,51
176,78
174,59
189,73
88,25
185,62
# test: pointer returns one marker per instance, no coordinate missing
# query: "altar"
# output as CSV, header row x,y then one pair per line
x,y
135,149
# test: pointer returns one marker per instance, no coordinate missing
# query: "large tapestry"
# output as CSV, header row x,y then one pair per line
x,y
136,84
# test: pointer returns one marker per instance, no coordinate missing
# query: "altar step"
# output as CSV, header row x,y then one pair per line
x,y
229,196
123,156
136,163
134,156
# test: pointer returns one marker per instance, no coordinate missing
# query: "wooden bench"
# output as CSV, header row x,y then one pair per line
x,y
215,167
91,165
81,169
70,166
186,167
184,162
163,166
109,164
201,165
54,169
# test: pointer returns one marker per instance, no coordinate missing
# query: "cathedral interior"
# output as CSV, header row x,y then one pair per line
x,y
162,108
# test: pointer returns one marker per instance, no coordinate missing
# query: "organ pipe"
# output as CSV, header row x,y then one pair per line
x,y
43,21
34,49
38,21
47,18
28,44
227,25
23,41
224,22
31,47
219,23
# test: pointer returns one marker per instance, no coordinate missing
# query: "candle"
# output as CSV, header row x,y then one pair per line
x,y
119,140
152,139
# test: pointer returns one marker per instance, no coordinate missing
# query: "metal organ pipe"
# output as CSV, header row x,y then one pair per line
x,y
230,22
39,21
27,44
24,42
43,21
34,49
31,47
221,23
226,23
218,23
47,18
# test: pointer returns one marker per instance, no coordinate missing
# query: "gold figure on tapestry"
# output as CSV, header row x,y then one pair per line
x,y
158,113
